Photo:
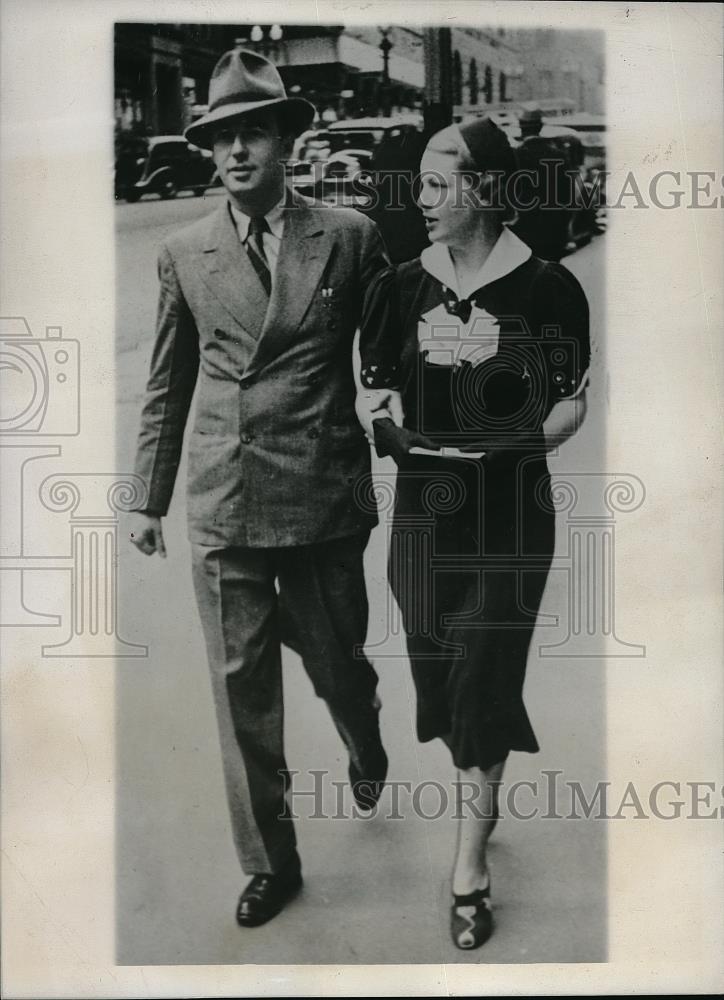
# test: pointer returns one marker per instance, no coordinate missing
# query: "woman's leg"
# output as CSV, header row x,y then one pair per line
x,y
476,816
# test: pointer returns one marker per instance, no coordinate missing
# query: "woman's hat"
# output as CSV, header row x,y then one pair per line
x,y
488,145
242,82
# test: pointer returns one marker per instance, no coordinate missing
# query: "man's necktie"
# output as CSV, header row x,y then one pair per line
x,y
257,255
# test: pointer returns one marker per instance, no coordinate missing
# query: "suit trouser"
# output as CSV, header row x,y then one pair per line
x,y
322,601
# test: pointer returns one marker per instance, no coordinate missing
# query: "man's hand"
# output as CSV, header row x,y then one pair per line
x,y
146,534
372,404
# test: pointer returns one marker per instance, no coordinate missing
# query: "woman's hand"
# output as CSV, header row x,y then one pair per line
x,y
374,404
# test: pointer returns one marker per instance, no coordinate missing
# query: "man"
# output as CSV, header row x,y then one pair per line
x,y
544,226
258,308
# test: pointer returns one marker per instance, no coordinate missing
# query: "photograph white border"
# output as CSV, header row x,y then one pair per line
x,y
664,356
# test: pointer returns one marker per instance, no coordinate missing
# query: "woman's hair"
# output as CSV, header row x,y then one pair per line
x,y
490,188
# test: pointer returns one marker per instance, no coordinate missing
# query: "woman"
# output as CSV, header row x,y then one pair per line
x,y
474,361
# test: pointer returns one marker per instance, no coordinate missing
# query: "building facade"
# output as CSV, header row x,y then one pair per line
x,y
162,70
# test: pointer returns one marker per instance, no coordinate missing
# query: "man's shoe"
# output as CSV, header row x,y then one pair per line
x,y
367,785
266,895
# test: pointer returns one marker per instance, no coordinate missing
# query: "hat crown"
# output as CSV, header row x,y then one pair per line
x,y
243,82
241,76
531,113
488,145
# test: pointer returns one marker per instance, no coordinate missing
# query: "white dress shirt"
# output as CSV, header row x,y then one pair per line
x,y
272,240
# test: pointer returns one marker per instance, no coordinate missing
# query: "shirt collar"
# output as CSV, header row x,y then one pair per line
x,y
508,253
274,218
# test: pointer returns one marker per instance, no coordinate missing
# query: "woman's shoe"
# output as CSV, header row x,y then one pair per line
x,y
471,919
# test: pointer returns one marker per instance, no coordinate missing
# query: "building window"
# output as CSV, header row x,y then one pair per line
x,y
457,78
473,82
488,85
502,84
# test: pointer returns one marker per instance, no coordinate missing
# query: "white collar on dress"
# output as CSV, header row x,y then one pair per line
x,y
508,253
274,218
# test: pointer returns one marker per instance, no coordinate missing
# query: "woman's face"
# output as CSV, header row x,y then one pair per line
x,y
446,200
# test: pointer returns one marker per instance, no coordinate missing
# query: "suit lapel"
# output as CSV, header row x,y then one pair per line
x,y
304,252
230,275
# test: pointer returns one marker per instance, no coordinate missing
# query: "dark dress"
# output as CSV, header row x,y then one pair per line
x,y
472,538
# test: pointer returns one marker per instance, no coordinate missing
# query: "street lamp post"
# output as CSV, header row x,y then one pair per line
x,y
385,47
263,38
438,78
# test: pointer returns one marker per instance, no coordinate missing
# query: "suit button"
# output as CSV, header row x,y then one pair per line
x,y
247,438
331,325
313,432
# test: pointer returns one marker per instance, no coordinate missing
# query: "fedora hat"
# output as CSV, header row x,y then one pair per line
x,y
242,82
531,113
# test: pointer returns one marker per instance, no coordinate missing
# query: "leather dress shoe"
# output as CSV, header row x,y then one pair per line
x,y
267,894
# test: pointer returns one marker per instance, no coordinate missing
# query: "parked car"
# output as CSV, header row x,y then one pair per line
x,y
311,146
564,143
592,131
371,133
162,165
341,179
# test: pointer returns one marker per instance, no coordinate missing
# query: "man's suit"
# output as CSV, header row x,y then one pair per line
x,y
276,458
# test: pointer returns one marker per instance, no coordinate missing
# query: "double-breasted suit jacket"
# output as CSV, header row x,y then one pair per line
x,y
275,458
276,450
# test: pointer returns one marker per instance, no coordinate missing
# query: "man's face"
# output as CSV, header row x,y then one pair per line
x,y
248,154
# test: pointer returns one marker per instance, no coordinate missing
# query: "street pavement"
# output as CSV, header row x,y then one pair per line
x,y
376,889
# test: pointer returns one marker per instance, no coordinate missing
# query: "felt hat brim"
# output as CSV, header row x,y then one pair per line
x,y
300,115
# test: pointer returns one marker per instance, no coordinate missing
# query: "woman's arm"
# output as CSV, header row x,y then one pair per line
x,y
561,423
564,420
378,394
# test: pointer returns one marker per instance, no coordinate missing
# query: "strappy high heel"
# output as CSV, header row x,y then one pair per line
x,y
471,918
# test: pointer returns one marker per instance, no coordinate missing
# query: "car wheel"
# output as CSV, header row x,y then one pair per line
x,y
199,191
132,195
169,189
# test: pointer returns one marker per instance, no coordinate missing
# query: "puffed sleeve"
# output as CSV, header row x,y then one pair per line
x,y
380,333
562,317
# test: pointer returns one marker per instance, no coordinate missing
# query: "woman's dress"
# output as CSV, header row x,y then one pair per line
x,y
473,537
